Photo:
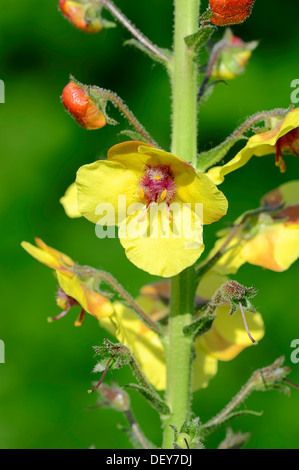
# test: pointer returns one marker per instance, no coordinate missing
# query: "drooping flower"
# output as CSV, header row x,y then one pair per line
x,y
73,290
156,199
233,57
227,337
83,109
82,14
226,12
282,138
270,239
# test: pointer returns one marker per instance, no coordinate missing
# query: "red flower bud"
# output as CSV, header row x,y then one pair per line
x,y
82,15
79,104
226,12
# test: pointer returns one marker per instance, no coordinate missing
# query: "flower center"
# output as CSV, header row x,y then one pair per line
x,y
157,184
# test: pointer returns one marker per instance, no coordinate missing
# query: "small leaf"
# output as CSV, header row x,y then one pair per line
x,y
206,16
200,38
214,155
175,431
199,326
153,398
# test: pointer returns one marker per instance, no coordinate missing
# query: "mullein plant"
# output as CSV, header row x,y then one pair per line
x,y
177,330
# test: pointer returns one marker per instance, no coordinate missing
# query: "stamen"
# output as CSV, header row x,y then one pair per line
x,y
141,193
169,214
157,177
102,378
79,321
164,194
279,161
245,324
61,315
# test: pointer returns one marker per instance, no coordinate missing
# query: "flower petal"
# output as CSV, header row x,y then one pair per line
x,y
102,182
258,145
204,368
70,202
92,302
144,343
202,190
168,249
135,155
49,256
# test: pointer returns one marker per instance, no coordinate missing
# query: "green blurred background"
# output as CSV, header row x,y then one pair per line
x,y
44,382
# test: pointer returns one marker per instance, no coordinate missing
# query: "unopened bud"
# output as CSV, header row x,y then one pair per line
x,y
84,110
82,14
226,12
116,397
233,57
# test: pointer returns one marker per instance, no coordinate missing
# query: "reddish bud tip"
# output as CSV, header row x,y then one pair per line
x,y
81,15
78,103
226,12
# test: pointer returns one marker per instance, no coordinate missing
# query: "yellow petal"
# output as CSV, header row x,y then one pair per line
x,y
102,182
217,173
49,256
165,255
233,258
143,342
92,302
64,259
258,145
135,155
70,202
275,247
202,190
204,368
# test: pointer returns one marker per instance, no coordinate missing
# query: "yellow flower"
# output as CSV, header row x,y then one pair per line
x,y
283,137
72,289
224,341
272,241
166,190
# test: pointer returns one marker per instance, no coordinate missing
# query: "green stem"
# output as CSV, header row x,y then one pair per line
x,y
179,353
184,144
185,82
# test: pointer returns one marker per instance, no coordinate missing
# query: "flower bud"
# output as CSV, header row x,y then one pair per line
x,y
233,57
115,397
82,14
227,12
84,110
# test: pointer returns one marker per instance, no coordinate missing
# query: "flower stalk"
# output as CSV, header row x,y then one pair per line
x,y
119,16
184,143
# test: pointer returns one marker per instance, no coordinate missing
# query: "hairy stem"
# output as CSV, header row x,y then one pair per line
x,y
118,102
184,144
119,16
